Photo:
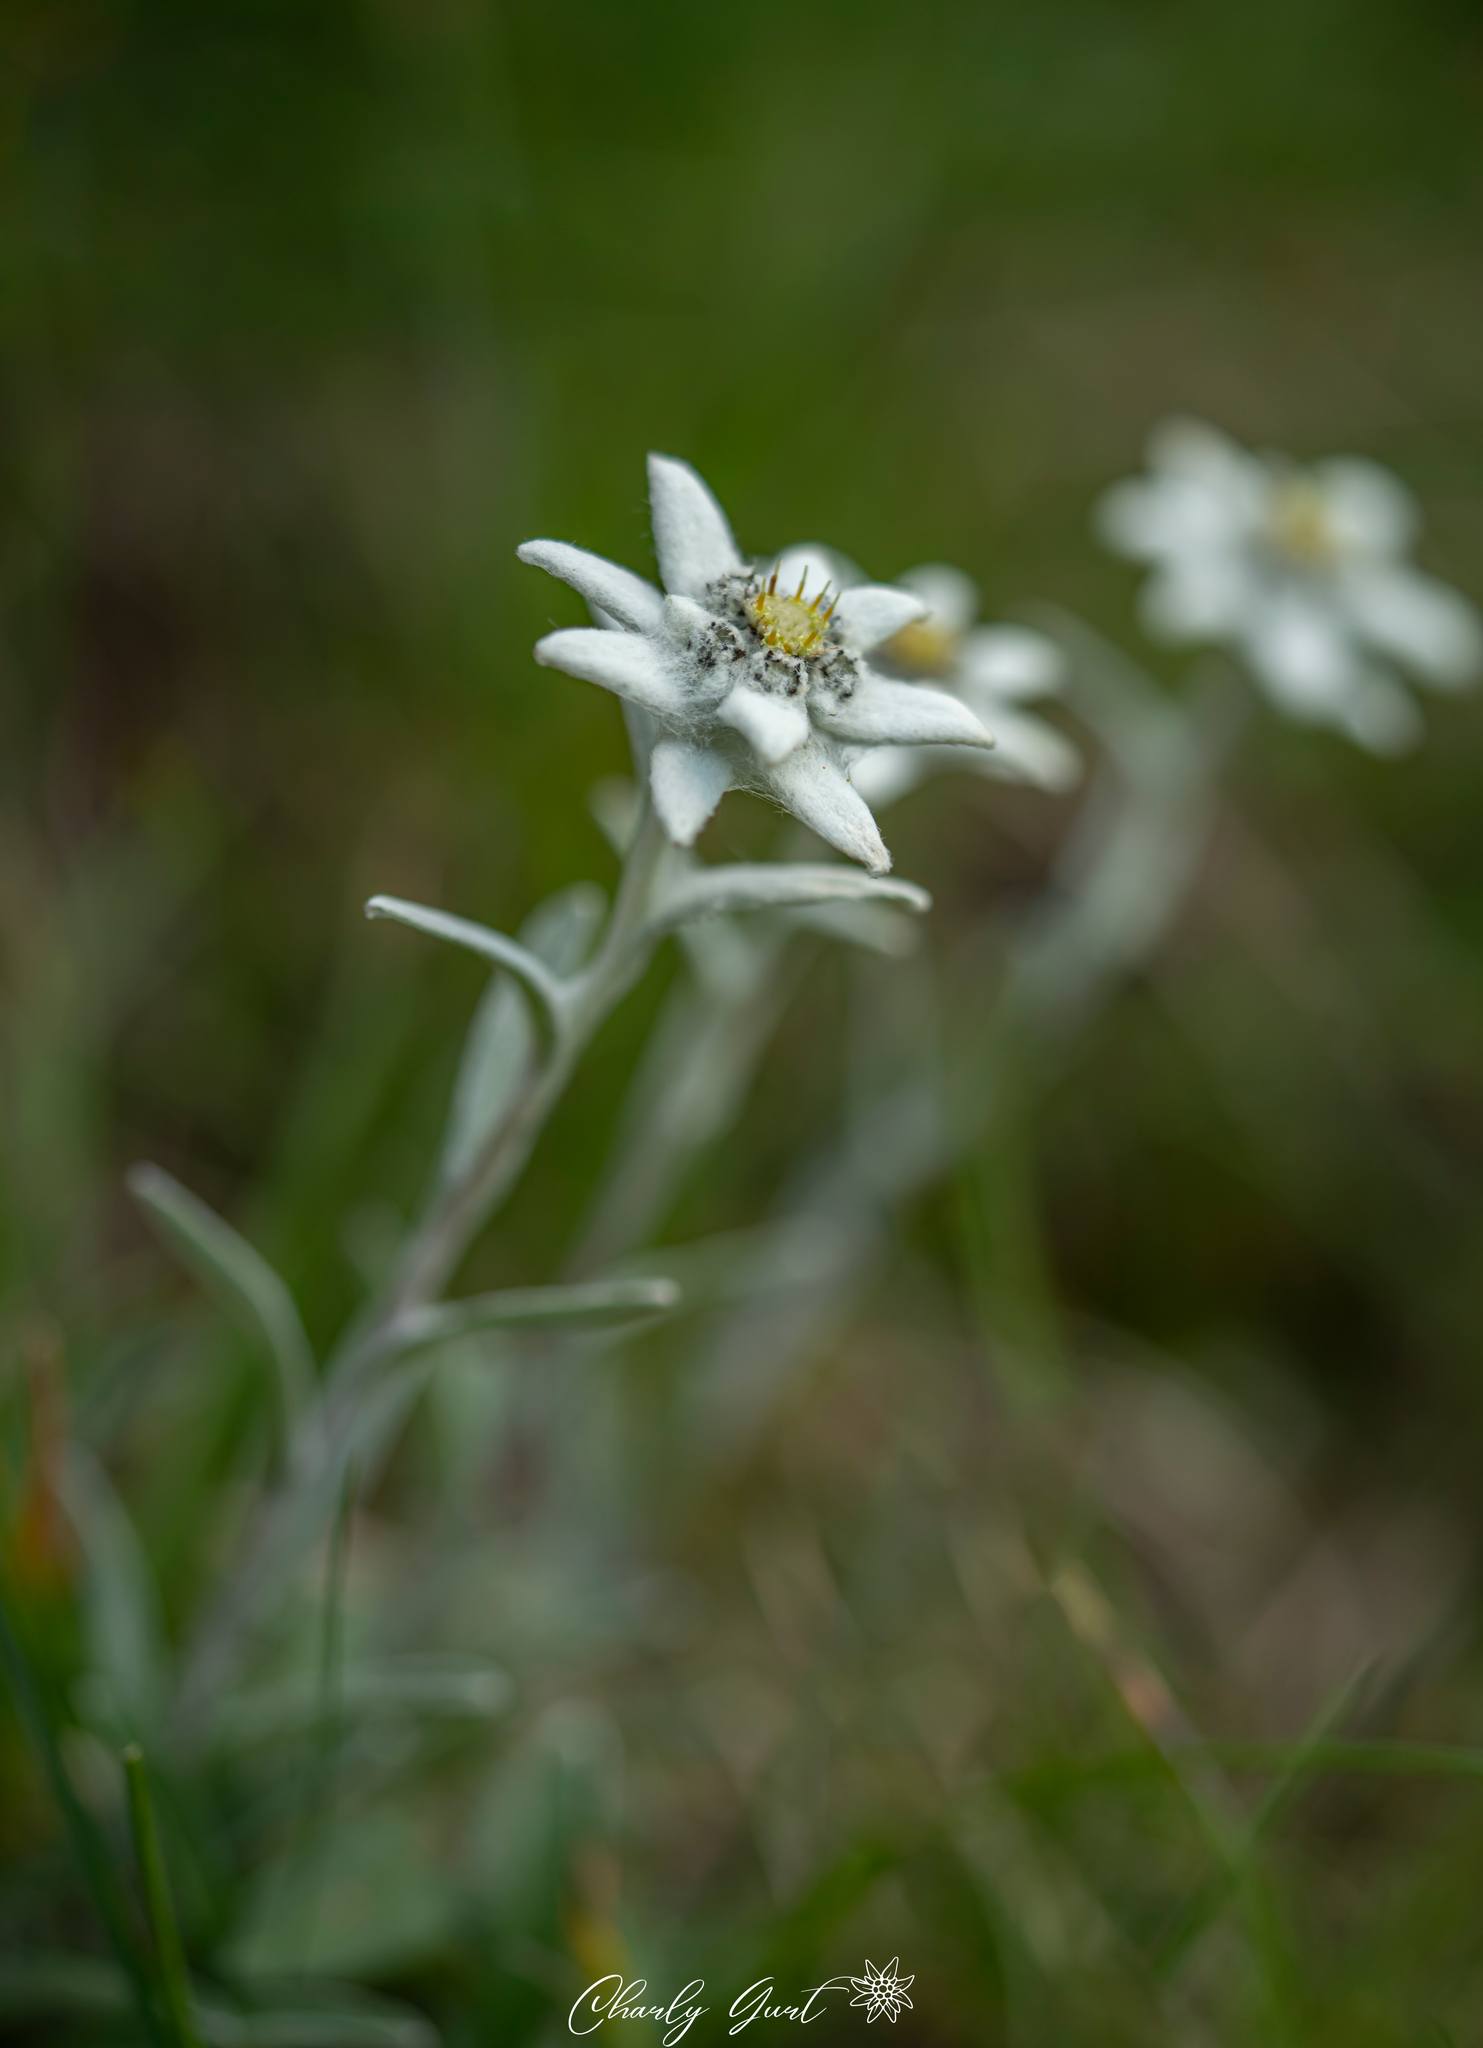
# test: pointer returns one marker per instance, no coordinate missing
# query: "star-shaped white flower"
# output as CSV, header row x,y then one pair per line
x,y
757,682
883,1992
994,670
1304,572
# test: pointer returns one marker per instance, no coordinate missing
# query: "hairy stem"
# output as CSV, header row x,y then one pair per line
x,y
291,1520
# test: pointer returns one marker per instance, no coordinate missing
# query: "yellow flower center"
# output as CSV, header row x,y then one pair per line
x,y
923,647
1300,523
793,625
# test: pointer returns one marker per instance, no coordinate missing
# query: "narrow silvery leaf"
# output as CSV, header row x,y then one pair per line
x,y
532,973
240,1277
878,927
595,1304
398,1688
713,892
124,1628
501,1041
498,1052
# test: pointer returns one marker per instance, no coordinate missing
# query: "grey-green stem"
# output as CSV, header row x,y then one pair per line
x,y
290,1520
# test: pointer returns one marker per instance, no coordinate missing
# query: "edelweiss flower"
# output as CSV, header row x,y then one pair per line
x,y
883,1992
992,669
1303,571
758,682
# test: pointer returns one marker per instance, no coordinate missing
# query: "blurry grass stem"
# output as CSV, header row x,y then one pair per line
x,y
88,1845
169,1950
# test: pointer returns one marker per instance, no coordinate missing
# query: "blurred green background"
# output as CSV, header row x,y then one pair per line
x,y
309,315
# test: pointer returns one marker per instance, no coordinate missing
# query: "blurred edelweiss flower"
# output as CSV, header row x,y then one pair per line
x,y
1302,570
994,670
758,680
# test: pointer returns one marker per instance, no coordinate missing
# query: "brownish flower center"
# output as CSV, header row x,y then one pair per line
x,y
1300,523
923,647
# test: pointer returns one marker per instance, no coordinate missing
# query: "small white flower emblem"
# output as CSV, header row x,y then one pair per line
x,y
756,682
883,1992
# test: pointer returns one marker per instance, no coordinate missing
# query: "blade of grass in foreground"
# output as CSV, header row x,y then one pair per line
x,y
1140,1687
87,1844
169,1951
1207,1905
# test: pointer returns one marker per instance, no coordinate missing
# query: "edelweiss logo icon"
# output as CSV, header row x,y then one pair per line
x,y
883,1991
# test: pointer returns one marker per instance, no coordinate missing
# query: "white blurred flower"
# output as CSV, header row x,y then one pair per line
x,y
994,670
757,683
1303,571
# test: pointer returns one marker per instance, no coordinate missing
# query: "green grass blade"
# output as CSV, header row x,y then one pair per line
x,y
169,1950
87,1843
1206,1906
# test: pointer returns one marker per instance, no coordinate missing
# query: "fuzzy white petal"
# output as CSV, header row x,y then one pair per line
x,y
692,539
880,713
1198,596
1419,622
1138,517
951,597
1028,749
1203,493
873,612
685,621
1010,663
610,590
1368,510
688,782
819,794
772,726
627,663
1193,449
1299,648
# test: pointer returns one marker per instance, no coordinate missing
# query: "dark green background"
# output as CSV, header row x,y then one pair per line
x,y
308,315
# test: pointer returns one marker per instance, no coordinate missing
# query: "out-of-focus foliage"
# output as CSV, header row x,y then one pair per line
x,y
1153,1426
